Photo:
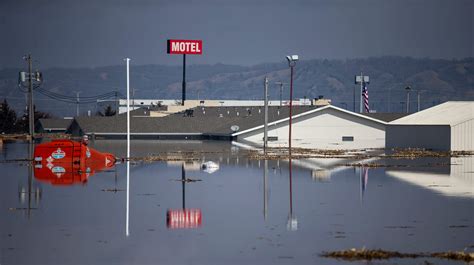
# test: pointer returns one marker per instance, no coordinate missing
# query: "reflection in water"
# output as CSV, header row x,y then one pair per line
x,y
127,220
265,190
459,181
32,193
66,162
86,218
183,218
364,180
292,224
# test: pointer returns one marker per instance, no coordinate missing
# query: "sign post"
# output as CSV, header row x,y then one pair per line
x,y
184,47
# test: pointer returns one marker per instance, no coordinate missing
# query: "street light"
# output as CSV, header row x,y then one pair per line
x,y
291,62
408,88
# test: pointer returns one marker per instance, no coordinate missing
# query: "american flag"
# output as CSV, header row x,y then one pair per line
x,y
365,95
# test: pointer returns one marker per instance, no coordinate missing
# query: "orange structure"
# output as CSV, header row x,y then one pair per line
x,y
66,162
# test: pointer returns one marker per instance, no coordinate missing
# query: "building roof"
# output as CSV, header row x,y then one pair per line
x,y
308,112
449,113
55,124
386,117
204,120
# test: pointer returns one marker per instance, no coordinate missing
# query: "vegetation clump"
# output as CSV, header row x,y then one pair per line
x,y
378,254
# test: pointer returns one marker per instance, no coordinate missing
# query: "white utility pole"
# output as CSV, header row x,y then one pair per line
x,y
127,233
265,132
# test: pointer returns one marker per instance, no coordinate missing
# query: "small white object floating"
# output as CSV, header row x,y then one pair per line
x,y
210,167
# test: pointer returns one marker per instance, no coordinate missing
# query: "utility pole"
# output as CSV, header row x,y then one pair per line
x,y
265,133
116,103
77,102
418,97
31,111
281,91
133,97
29,78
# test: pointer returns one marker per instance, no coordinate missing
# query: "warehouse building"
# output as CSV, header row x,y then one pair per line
x,y
445,127
53,125
327,127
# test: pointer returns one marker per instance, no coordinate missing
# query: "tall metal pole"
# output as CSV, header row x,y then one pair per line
x,y
281,93
418,97
128,145
116,103
408,99
183,181
291,109
77,103
265,131
184,80
360,94
31,111
354,100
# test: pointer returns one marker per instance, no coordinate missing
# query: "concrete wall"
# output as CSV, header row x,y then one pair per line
x,y
324,130
434,137
462,136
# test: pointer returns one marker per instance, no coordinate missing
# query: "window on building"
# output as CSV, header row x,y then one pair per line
x,y
348,138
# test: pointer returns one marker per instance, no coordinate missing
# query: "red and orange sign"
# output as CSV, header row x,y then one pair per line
x,y
185,46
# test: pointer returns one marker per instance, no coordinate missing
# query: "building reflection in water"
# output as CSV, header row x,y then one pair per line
x,y
183,218
455,180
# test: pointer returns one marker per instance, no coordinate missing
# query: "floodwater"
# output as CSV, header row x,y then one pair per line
x,y
246,212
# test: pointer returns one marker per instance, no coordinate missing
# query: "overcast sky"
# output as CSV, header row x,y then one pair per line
x,y
96,33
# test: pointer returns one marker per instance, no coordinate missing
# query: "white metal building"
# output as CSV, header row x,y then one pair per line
x,y
328,127
191,103
448,126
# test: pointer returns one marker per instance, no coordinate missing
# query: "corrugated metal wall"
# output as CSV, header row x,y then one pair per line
x,y
434,137
462,136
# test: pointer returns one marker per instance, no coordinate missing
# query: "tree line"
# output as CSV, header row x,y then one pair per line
x,y
11,122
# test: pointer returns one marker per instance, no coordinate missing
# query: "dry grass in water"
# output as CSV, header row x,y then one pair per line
x,y
370,254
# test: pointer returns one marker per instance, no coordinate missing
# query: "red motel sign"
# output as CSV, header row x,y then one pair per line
x,y
185,46
183,218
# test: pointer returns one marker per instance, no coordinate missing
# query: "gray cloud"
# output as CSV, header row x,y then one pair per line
x,y
95,33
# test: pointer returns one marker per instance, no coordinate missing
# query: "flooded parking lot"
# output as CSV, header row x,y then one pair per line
x,y
243,212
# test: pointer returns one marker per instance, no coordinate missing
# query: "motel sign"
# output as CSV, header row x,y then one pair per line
x,y
185,46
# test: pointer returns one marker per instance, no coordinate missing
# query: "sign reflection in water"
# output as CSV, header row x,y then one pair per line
x,y
183,218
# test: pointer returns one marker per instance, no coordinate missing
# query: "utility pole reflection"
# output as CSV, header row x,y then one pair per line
x,y
292,224
265,190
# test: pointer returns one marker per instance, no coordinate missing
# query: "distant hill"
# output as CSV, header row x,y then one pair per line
x,y
438,81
